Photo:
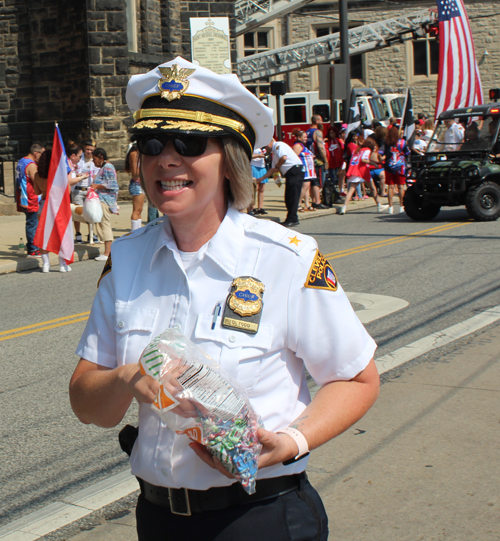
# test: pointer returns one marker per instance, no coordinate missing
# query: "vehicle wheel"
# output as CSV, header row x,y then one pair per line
x,y
483,202
416,209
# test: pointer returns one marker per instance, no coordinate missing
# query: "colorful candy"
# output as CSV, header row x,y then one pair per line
x,y
235,444
196,398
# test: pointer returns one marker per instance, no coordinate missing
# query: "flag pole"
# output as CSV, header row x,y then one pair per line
x,y
344,57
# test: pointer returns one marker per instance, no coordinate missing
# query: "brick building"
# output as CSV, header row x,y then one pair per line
x,y
70,61
413,62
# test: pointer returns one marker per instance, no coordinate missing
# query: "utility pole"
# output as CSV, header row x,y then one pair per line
x,y
344,55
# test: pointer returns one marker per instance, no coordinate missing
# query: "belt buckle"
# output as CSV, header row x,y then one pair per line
x,y
179,501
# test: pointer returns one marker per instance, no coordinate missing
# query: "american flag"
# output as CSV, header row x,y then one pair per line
x,y
459,83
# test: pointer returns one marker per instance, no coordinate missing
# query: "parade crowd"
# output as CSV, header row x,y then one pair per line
x,y
89,172
371,160
318,172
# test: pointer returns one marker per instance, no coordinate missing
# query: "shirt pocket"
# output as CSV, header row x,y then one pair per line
x,y
239,354
134,326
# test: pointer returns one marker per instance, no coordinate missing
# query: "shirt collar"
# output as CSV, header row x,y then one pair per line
x,y
224,248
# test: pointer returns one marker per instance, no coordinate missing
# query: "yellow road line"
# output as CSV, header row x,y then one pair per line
x,y
76,318
410,235
43,323
45,327
394,240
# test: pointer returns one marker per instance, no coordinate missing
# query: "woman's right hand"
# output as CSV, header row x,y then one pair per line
x,y
143,387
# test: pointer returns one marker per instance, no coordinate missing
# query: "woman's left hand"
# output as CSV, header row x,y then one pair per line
x,y
276,448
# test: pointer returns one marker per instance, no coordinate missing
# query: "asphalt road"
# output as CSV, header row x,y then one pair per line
x,y
447,269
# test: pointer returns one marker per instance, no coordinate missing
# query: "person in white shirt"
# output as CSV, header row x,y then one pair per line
x,y
259,170
88,170
286,162
419,144
453,136
196,145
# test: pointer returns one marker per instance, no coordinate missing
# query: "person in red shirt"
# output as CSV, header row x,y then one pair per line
x,y
335,150
26,198
359,172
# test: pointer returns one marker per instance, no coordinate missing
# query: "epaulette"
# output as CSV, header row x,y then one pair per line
x,y
129,235
142,230
293,240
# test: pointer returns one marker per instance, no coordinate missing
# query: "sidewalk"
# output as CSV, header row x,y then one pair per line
x,y
421,465
12,229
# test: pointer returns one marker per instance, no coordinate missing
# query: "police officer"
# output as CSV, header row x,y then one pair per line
x,y
195,131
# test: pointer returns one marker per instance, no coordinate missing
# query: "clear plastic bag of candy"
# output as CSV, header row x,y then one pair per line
x,y
198,399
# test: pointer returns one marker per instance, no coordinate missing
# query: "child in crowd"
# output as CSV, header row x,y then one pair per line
x,y
359,173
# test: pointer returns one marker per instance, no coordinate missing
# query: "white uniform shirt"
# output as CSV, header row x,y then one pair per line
x,y
148,290
282,149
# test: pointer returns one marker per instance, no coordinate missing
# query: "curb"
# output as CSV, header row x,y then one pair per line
x,y
12,262
22,263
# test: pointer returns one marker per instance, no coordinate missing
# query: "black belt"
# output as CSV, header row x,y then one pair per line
x,y
183,501
80,188
294,168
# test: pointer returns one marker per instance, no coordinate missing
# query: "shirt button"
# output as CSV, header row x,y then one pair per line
x,y
252,226
164,472
232,339
121,324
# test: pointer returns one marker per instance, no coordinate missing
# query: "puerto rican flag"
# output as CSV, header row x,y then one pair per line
x,y
55,227
459,82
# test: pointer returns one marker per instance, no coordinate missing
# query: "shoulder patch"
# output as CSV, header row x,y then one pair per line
x,y
321,275
105,270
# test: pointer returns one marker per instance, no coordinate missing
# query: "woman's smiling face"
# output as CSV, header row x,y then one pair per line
x,y
186,187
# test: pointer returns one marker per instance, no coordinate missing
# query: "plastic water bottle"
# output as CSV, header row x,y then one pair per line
x,y
20,249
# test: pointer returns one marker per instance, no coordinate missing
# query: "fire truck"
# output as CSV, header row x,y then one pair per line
x,y
297,109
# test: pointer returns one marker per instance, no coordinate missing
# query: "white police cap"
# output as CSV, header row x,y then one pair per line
x,y
180,97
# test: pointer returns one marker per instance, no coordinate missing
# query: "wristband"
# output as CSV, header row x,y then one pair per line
x,y
299,439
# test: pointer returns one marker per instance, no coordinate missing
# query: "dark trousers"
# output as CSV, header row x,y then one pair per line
x,y
296,516
294,179
31,225
320,174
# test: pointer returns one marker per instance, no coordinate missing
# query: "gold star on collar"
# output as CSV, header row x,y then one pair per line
x,y
294,240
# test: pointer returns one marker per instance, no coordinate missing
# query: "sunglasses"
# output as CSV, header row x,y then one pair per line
x,y
184,145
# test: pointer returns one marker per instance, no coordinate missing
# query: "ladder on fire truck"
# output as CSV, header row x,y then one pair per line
x,y
362,39
251,14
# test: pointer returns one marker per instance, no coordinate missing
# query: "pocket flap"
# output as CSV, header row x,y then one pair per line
x,y
232,338
134,318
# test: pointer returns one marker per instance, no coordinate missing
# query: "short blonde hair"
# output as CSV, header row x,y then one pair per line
x,y
238,173
239,182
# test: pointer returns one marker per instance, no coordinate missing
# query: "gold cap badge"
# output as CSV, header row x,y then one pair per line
x,y
174,82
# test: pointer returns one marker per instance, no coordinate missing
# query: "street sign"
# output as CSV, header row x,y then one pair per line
x,y
332,81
